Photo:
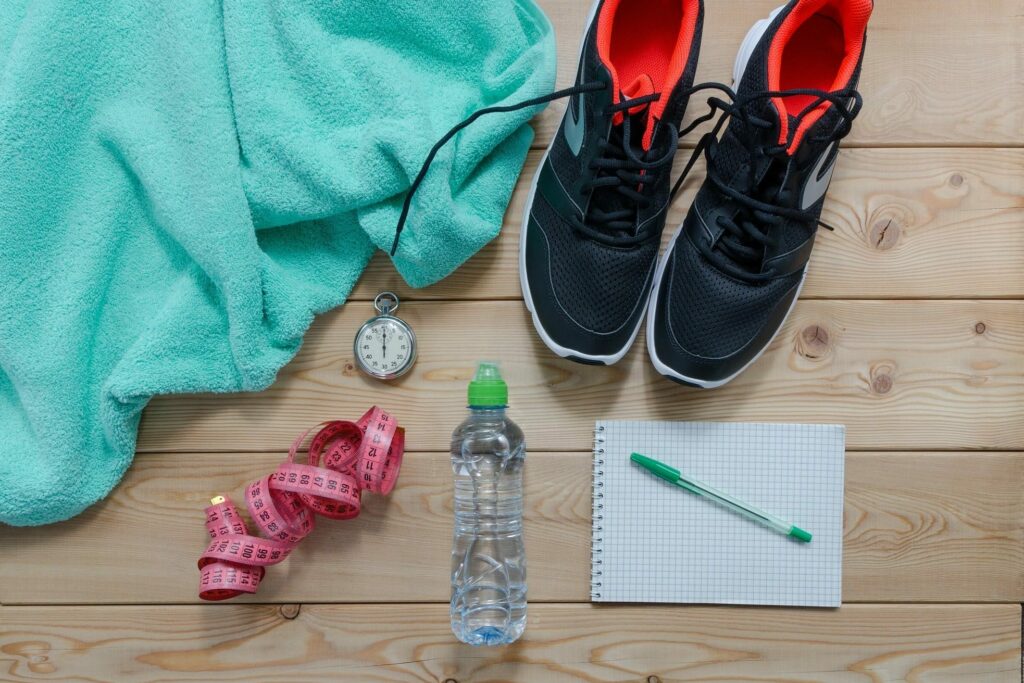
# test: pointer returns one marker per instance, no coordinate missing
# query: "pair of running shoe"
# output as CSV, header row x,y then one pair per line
x,y
732,272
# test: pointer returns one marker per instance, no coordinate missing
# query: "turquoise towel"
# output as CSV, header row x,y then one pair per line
x,y
183,185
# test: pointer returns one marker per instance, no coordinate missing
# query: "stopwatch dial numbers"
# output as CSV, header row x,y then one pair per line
x,y
384,346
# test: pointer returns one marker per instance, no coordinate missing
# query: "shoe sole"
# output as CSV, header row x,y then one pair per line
x,y
749,43
740,65
555,347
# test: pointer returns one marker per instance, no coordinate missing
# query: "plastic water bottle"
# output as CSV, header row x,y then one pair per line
x,y
488,557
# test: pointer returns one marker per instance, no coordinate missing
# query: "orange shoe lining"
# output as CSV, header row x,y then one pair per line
x,y
648,37
817,46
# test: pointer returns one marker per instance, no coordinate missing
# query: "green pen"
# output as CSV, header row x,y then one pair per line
x,y
672,475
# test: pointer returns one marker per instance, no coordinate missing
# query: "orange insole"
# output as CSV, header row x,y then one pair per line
x,y
643,39
812,58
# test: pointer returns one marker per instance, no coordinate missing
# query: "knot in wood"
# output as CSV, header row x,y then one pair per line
x,y
881,383
290,611
814,342
885,233
881,377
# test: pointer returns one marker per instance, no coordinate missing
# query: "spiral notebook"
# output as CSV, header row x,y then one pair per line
x,y
655,542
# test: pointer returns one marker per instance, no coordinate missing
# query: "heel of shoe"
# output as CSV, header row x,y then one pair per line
x,y
748,45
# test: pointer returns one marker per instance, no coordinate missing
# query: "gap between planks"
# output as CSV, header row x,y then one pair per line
x,y
427,451
411,297
537,146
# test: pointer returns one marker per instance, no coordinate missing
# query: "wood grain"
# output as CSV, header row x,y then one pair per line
x,y
904,220
562,644
938,527
899,374
936,72
893,339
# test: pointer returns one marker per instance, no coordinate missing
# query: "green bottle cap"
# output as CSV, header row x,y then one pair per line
x,y
488,389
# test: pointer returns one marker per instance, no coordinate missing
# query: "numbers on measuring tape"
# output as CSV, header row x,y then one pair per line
x,y
343,459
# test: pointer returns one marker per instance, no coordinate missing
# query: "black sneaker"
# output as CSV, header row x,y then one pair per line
x,y
735,267
597,208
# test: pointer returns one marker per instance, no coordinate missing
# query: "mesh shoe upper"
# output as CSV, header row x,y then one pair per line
x,y
591,236
602,289
713,315
736,266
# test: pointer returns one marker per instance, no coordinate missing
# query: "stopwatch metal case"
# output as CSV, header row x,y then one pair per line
x,y
386,303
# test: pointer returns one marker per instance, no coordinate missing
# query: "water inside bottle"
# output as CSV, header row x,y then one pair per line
x,y
488,605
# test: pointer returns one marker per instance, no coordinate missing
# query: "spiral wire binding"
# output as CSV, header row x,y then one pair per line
x,y
597,530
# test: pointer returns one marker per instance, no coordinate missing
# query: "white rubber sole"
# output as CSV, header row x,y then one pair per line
x,y
749,43
739,66
524,284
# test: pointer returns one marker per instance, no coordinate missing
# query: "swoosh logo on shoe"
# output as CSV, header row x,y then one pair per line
x,y
818,180
575,124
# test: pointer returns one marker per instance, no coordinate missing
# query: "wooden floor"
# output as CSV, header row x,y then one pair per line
x,y
911,332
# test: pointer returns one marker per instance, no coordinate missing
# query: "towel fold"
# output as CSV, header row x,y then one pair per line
x,y
184,185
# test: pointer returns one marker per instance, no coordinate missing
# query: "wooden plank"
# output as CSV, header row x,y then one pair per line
x,y
938,527
904,219
925,68
957,515
562,644
900,374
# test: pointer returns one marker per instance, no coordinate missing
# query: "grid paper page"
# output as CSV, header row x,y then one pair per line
x,y
655,542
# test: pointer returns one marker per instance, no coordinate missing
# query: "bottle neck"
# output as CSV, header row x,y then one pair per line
x,y
488,410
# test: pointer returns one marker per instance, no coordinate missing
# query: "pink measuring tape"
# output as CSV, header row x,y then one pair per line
x,y
344,459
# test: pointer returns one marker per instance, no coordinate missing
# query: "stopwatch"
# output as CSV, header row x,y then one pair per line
x,y
385,346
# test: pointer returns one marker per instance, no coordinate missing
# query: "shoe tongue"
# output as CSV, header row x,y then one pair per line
x,y
757,78
777,108
641,118
642,86
830,119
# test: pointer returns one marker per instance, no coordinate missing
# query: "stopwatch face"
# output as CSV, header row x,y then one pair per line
x,y
385,347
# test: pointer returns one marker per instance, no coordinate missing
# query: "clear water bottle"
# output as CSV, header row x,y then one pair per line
x,y
488,557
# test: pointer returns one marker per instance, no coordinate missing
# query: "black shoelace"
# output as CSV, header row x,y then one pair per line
x,y
619,168
629,173
740,250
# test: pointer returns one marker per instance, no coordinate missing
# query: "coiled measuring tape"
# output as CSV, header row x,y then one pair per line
x,y
344,459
